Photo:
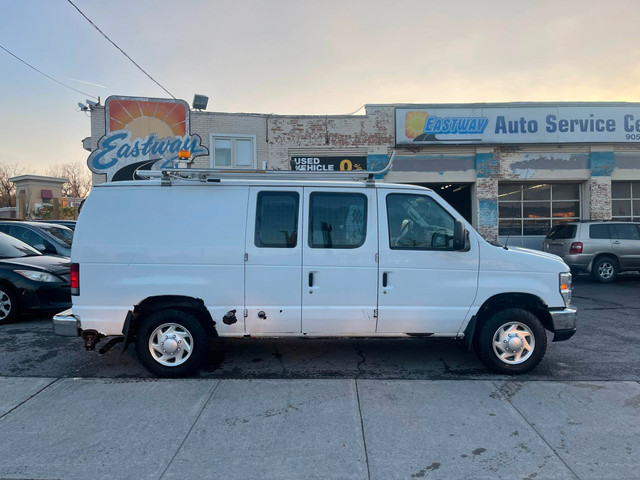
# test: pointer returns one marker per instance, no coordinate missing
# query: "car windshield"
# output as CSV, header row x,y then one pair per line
x,y
13,248
562,232
63,234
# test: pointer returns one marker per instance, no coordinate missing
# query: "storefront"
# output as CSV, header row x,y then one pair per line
x,y
513,170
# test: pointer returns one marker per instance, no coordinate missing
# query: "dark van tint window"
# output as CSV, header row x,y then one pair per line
x,y
277,220
337,220
562,232
598,231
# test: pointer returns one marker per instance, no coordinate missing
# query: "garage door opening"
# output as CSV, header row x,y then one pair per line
x,y
457,194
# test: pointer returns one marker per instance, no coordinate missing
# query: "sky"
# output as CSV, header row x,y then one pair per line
x,y
327,57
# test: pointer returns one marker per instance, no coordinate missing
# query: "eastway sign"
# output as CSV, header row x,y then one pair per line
x,y
143,134
528,124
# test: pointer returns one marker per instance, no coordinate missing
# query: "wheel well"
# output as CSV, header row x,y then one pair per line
x,y
502,301
195,306
601,255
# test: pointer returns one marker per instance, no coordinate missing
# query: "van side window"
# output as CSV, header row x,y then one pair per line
x,y
277,220
417,222
337,220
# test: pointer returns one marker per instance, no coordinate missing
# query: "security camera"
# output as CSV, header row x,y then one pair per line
x,y
83,107
91,103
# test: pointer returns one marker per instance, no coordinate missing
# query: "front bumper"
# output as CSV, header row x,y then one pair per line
x,y
564,323
66,324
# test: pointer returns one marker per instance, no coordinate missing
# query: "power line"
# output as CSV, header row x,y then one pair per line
x,y
122,51
42,73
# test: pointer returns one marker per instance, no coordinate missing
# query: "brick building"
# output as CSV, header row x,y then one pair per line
x,y
513,170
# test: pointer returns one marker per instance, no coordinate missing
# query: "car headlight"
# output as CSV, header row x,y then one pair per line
x,y
38,276
565,287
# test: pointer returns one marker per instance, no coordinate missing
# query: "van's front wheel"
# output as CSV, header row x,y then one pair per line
x,y
171,343
512,341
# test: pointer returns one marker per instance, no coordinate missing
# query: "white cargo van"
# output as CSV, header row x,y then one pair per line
x,y
169,262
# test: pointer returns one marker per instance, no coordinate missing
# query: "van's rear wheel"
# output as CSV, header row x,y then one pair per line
x,y
171,343
512,341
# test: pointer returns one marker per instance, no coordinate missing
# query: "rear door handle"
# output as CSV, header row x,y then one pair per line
x,y
384,279
311,279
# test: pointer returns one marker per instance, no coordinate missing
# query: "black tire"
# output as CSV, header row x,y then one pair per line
x,y
180,329
605,269
528,342
8,304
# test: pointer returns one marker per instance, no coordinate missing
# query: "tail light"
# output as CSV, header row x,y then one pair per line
x,y
576,247
75,279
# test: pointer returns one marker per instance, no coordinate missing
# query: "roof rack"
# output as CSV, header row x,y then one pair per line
x,y
214,175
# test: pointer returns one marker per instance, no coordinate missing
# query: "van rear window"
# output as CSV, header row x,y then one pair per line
x,y
559,232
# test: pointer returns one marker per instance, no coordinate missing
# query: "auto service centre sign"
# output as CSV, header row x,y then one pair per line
x,y
518,124
143,134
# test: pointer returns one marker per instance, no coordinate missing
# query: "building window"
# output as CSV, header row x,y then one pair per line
x,y
625,201
533,208
233,151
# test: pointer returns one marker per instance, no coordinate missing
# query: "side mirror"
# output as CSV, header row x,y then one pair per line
x,y
40,247
459,235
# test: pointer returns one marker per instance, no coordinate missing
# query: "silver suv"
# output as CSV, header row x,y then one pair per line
x,y
602,248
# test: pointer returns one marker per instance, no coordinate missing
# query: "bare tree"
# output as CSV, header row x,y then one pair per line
x,y
7,188
79,179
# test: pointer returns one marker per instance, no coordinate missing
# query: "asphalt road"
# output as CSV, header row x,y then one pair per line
x,y
606,347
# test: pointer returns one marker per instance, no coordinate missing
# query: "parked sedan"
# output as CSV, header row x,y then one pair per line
x,y
30,281
48,238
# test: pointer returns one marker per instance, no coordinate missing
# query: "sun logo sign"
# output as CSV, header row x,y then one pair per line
x,y
143,134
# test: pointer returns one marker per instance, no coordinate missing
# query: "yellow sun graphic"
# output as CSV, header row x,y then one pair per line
x,y
142,118
414,123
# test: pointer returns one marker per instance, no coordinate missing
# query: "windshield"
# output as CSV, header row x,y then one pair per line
x,y
13,248
63,234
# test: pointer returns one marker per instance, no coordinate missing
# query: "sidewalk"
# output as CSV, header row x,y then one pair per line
x,y
317,429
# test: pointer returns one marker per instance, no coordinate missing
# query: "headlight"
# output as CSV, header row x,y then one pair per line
x,y
38,276
565,287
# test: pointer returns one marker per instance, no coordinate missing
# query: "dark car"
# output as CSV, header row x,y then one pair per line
x,y
47,238
30,281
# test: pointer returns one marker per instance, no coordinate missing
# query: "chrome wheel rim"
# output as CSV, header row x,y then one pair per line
x,y
605,270
171,344
514,343
5,305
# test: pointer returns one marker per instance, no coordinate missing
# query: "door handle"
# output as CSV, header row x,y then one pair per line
x,y
311,279
384,279
616,242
